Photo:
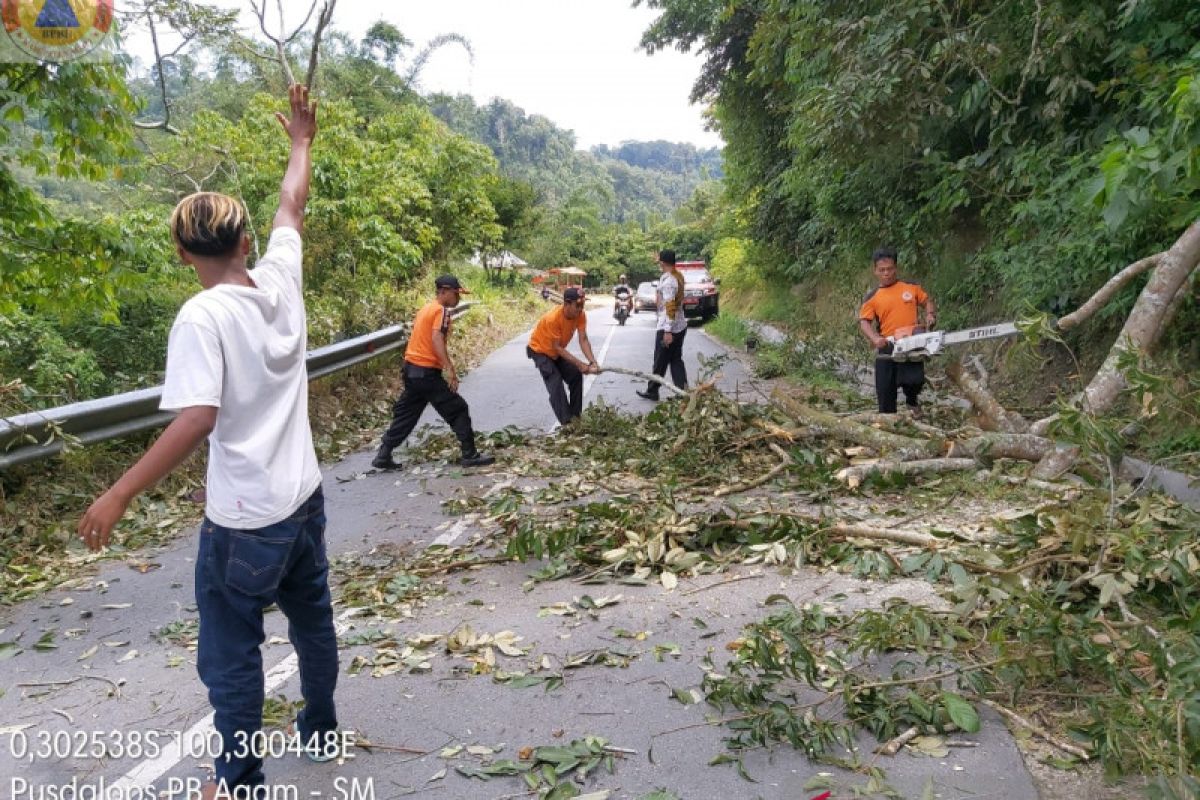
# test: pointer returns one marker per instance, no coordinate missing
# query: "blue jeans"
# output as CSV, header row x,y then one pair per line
x,y
238,574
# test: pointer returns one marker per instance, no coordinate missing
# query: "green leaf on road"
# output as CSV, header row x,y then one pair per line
x,y
961,712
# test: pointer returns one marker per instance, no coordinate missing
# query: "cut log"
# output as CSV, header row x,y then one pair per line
x,y
1022,446
1056,462
885,534
892,747
995,416
894,421
900,448
1042,426
858,473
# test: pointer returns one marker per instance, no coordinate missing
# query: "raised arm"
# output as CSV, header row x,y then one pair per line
x,y
301,129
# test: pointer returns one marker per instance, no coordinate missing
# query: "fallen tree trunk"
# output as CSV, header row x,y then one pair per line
x,y
1022,446
1056,462
893,421
995,416
1144,325
902,448
1106,292
859,472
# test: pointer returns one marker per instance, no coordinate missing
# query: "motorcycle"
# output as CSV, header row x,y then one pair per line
x,y
624,307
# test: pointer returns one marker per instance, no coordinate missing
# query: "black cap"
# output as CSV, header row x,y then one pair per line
x,y
666,256
450,282
572,294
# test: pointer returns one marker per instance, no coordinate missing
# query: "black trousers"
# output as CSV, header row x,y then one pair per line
x,y
424,386
890,375
560,376
669,355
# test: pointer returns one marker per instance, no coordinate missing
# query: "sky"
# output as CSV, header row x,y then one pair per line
x,y
576,62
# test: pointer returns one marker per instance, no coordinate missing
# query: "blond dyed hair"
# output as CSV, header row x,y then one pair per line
x,y
208,224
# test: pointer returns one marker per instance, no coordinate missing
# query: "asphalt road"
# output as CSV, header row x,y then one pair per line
x,y
507,389
106,673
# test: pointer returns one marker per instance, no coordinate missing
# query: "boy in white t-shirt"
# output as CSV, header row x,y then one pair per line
x,y
236,374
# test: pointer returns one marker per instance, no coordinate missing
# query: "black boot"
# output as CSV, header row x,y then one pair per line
x,y
649,394
476,459
383,459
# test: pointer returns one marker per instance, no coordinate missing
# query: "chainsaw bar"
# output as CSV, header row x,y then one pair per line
x,y
921,346
984,332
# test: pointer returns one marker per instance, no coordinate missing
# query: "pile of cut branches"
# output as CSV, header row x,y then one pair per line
x,y
1069,608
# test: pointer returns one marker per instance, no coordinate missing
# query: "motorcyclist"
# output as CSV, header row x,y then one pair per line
x,y
621,292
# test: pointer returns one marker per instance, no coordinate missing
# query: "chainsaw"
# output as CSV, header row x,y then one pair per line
x,y
923,346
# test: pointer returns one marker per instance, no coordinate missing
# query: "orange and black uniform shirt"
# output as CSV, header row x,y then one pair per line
x,y
555,327
893,307
433,317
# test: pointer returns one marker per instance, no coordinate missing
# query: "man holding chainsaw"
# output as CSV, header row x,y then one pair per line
x,y
891,310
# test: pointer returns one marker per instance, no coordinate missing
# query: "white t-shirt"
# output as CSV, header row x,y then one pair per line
x,y
243,350
669,289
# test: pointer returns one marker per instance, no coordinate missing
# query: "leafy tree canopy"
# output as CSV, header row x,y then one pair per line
x,y
1017,150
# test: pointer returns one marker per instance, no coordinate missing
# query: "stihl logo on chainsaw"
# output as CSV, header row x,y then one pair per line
x,y
983,333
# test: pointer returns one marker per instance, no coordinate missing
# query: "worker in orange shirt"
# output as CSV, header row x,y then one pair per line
x,y
429,377
561,371
891,309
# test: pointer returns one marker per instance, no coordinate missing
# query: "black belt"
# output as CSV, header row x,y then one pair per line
x,y
416,371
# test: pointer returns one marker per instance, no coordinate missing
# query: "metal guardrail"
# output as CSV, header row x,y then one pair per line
x,y
33,436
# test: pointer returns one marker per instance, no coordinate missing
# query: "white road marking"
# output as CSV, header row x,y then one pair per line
x,y
591,379
588,380
144,774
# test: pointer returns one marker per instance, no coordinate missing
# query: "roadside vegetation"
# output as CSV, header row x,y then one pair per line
x,y
40,502
93,158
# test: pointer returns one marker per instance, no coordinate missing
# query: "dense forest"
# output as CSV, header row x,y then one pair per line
x,y
640,182
681,159
1018,153
94,156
